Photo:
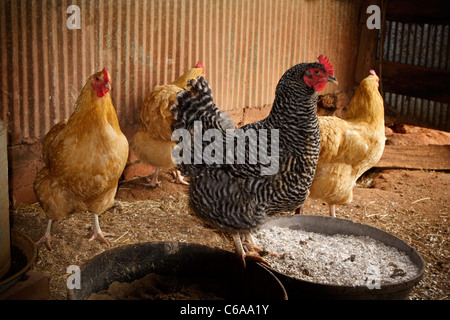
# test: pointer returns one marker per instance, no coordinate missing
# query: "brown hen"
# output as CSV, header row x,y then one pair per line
x,y
84,158
349,146
152,142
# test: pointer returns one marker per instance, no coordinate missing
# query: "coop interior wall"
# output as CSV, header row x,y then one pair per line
x,y
424,45
245,47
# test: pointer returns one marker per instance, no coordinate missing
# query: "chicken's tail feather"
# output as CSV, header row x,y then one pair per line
x,y
196,104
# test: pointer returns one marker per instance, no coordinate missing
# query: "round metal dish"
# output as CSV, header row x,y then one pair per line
x,y
224,273
301,289
21,259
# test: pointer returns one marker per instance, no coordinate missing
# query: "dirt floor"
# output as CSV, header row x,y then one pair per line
x,y
413,205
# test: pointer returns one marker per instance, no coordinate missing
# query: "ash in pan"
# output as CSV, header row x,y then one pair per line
x,y
336,260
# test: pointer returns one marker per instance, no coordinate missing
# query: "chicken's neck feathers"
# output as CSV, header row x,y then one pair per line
x,y
296,118
182,81
366,105
93,112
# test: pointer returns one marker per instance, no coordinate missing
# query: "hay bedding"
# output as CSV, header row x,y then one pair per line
x,y
412,205
166,217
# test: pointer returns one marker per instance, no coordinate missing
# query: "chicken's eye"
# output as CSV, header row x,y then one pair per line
x,y
317,71
96,78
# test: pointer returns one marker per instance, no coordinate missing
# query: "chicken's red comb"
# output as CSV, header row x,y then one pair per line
x,y
199,65
372,72
105,74
327,64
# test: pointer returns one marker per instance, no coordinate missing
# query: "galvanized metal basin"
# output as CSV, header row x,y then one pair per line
x,y
301,289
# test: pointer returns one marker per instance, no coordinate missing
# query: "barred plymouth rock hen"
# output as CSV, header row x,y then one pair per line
x,y
236,195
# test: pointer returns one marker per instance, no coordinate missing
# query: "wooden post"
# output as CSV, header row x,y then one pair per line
x,y
5,247
367,44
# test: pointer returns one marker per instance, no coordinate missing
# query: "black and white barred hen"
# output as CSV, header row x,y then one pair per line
x,y
235,195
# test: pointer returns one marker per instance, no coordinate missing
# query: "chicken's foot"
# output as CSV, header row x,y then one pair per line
x,y
250,254
250,242
254,256
117,207
47,237
154,182
179,178
251,246
99,234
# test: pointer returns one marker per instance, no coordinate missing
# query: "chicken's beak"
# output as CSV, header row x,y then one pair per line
x,y
332,79
108,86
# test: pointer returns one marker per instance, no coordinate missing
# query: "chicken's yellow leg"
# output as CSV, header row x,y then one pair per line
x,y
238,247
47,237
98,233
153,182
333,210
251,254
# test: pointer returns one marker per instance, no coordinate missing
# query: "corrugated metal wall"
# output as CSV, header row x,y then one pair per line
x,y
423,45
245,46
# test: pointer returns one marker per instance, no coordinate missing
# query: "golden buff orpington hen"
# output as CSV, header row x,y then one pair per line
x,y
349,146
84,158
152,142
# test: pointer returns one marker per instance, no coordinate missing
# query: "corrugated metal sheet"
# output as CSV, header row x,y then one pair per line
x,y
423,45
420,112
245,46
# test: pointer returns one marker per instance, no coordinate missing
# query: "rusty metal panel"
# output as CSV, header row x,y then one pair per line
x,y
245,46
423,45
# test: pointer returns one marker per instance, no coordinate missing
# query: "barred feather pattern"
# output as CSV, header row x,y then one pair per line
x,y
196,104
236,197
